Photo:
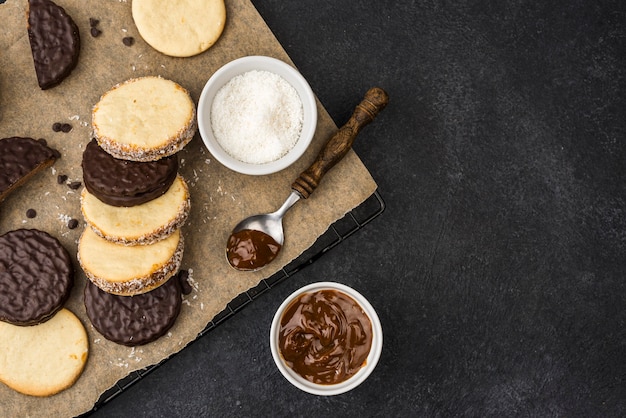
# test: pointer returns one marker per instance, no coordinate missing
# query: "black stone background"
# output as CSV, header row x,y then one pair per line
x,y
497,268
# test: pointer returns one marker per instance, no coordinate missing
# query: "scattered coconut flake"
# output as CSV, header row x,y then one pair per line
x,y
74,117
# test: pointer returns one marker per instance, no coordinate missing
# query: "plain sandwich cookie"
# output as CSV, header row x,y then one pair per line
x,y
144,119
129,270
141,224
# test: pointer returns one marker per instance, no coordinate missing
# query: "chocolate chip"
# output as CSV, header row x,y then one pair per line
x,y
93,22
183,277
128,41
66,127
74,185
61,178
31,213
95,32
56,126
72,224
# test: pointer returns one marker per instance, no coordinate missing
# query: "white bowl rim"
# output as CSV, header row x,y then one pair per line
x,y
361,375
249,63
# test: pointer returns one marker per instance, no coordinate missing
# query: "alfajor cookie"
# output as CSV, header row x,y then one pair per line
x,y
134,320
54,42
36,276
129,270
180,28
22,158
44,359
122,182
144,119
141,224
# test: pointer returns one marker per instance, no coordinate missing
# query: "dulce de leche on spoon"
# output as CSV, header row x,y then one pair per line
x,y
257,240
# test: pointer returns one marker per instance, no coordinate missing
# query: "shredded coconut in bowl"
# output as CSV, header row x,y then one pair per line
x,y
257,117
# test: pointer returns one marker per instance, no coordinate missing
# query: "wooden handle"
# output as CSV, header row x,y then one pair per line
x,y
339,144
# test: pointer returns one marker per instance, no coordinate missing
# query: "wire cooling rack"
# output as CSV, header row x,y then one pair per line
x,y
354,220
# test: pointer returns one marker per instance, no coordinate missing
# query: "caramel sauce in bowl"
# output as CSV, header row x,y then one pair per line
x,y
326,338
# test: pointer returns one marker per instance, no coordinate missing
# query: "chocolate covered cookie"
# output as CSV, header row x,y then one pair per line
x,y
125,183
134,320
54,42
36,276
20,159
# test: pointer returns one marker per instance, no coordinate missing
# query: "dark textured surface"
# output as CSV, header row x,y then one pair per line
x,y
497,269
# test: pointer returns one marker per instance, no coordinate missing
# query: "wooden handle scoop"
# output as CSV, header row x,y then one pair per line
x,y
339,144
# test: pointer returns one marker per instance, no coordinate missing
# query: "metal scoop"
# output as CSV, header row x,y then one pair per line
x,y
255,241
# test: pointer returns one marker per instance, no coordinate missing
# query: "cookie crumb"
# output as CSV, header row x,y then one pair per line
x,y
56,126
95,32
72,223
128,40
93,22
66,127
31,213
61,178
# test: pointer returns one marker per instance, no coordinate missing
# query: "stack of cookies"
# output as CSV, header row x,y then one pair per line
x,y
135,203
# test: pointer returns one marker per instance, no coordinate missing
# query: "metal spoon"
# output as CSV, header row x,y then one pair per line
x,y
255,241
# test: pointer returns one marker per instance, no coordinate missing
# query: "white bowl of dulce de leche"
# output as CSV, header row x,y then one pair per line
x,y
257,115
326,338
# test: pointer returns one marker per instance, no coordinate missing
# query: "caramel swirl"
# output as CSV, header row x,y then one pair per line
x,y
325,336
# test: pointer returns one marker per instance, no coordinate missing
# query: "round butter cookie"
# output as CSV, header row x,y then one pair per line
x,y
129,270
179,28
43,359
142,224
36,276
134,320
144,119
125,183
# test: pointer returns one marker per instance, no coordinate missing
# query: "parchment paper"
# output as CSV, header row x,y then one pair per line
x,y
220,197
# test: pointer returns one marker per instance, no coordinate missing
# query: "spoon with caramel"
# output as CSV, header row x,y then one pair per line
x,y
257,240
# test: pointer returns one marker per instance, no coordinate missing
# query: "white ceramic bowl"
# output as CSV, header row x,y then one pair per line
x,y
336,389
240,66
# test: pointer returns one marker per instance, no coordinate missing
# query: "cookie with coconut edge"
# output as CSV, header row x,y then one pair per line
x,y
144,119
140,224
129,270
